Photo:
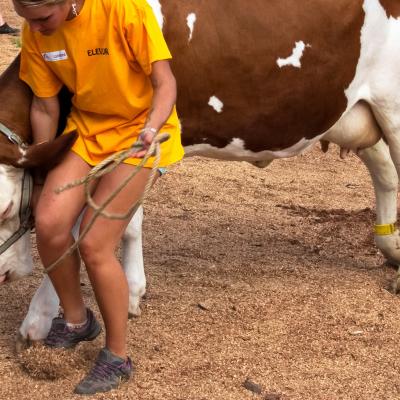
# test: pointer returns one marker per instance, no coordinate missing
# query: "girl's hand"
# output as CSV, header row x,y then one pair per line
x,y
146,137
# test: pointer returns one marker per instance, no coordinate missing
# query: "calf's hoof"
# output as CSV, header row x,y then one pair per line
x,y
22,343
134,312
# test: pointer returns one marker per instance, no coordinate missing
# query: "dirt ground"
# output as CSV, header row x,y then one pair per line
x,y
257,279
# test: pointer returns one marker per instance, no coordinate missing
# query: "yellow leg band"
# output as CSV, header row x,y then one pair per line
x,y
384,230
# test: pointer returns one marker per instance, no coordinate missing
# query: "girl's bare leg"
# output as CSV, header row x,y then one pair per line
x,y
55,217
98,252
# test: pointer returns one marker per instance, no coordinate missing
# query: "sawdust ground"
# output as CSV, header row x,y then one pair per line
x,y
269,276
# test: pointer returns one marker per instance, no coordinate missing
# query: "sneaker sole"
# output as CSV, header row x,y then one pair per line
x,y
109,388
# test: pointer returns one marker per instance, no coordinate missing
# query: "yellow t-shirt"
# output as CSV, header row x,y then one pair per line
x,y
104,57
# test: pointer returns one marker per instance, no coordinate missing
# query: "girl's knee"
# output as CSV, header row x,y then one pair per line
x,y
50,230
92,251
45,224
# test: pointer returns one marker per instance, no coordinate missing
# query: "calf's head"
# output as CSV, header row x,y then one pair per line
x,y
15,101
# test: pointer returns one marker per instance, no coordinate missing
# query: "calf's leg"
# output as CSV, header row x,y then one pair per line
x,y
132,262
45,303
42,309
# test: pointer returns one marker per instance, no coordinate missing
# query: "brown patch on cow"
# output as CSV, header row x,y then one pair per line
x,y
47,154
15,100
392,7
233,55
9,152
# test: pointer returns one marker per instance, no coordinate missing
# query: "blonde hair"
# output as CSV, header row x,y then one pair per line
x,y
39,3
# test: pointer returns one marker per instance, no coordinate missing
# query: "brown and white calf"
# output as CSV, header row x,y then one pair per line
x,y
16,261
266,80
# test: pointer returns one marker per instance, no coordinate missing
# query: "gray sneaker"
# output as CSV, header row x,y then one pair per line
x,y
107,373
60,336
8,30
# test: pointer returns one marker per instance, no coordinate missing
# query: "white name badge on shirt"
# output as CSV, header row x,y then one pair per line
x,y
58,55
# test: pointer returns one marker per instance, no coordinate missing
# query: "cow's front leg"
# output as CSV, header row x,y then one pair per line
x,y
385,179
132,261
43,308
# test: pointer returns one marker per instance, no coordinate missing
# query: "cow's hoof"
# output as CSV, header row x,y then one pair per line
x,y
137,312
22,343
389,245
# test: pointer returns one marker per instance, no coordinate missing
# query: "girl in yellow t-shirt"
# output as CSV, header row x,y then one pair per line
x,y
112,57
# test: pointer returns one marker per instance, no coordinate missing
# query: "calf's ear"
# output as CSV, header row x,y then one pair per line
x,y
45,155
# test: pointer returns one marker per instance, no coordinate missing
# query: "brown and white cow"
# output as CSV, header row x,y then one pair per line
x,y
268,79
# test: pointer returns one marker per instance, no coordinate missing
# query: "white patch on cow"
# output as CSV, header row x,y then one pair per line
x,y
16,261
191,19
236,151
23,159
377,80
294,59
11,185
156,6
376,48
216,104
377,74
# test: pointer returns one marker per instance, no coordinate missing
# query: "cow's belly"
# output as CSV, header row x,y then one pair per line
x,y
237,151
357,129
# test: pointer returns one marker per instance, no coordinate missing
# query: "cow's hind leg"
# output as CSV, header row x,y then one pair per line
x,y
386,108
132,261
385,180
